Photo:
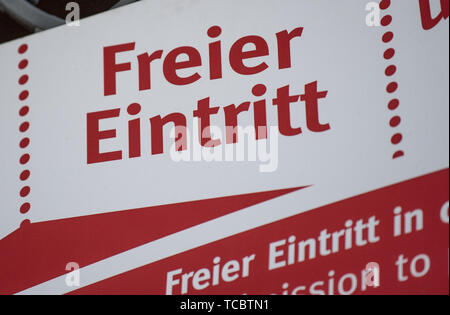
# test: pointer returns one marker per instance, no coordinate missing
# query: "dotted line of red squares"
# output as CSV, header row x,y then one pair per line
x,y
23,129
392,87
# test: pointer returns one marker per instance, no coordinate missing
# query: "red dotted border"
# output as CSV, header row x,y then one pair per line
x,y
25,125
392,86
23,129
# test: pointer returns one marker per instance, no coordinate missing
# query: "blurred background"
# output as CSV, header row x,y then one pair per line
x,y
19,18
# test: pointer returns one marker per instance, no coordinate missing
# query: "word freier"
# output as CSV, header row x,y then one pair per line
x,y
237,55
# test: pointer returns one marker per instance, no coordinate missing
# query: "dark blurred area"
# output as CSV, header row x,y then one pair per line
x,y
10,28
88,7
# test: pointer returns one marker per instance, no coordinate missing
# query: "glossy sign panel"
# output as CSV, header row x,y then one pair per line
x,y
194,147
